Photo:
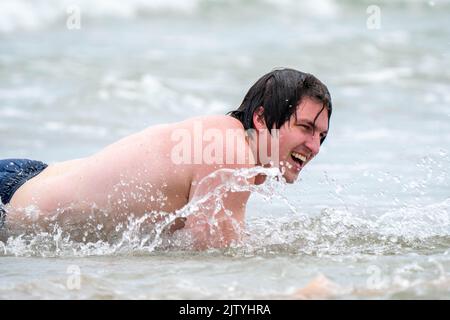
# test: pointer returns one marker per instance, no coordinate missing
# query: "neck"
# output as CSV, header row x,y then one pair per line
x,y
253,142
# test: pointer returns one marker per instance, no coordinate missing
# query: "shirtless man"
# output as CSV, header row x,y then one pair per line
x,y
151,172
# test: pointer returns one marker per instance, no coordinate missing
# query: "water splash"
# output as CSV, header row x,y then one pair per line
x,y
137,235
344,232
335,231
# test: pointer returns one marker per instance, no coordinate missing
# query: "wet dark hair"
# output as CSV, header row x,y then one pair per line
x,y
280,92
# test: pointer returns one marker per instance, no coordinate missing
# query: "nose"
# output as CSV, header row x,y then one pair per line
x,y
313,144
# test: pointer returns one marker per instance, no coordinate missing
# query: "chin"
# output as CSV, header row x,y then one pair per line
x,y
290,178
289,175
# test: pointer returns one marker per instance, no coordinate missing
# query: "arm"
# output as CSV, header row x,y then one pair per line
x,y
218,208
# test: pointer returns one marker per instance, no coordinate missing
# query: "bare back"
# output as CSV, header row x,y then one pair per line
x,y
133,175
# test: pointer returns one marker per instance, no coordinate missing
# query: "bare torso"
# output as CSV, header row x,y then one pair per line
x,y
135,175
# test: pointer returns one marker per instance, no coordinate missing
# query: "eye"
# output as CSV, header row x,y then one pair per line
x,y
306,127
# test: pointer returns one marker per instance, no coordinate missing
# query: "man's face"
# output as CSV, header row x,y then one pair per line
x,y
299,138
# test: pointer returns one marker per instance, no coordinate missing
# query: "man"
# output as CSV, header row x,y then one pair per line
x,y
281,122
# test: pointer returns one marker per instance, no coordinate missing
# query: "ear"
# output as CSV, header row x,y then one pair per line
x,y
258,118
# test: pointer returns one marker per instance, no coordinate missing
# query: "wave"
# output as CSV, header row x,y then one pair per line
x,y
29,15
153,93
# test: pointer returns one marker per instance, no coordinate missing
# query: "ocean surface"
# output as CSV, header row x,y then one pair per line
x,y
368,219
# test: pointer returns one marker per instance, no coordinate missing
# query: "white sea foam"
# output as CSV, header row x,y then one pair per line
x,y
32,15
153,92
25,15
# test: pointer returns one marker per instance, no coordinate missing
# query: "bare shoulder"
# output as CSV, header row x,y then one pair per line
x,y
220,122
223,121
225,145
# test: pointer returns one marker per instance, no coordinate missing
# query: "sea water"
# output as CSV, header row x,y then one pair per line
x,y
369,218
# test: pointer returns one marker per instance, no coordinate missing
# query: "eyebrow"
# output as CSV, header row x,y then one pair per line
x,y
313,125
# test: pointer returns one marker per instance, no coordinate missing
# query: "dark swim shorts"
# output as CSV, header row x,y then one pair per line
x,y
13,174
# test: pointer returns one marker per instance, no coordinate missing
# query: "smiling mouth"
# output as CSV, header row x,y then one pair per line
x,y
298,158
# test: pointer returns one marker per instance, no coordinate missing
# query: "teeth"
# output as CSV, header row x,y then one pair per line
x,y
299,156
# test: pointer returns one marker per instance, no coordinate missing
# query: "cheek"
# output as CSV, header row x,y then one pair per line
x,y
286,147
289,141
